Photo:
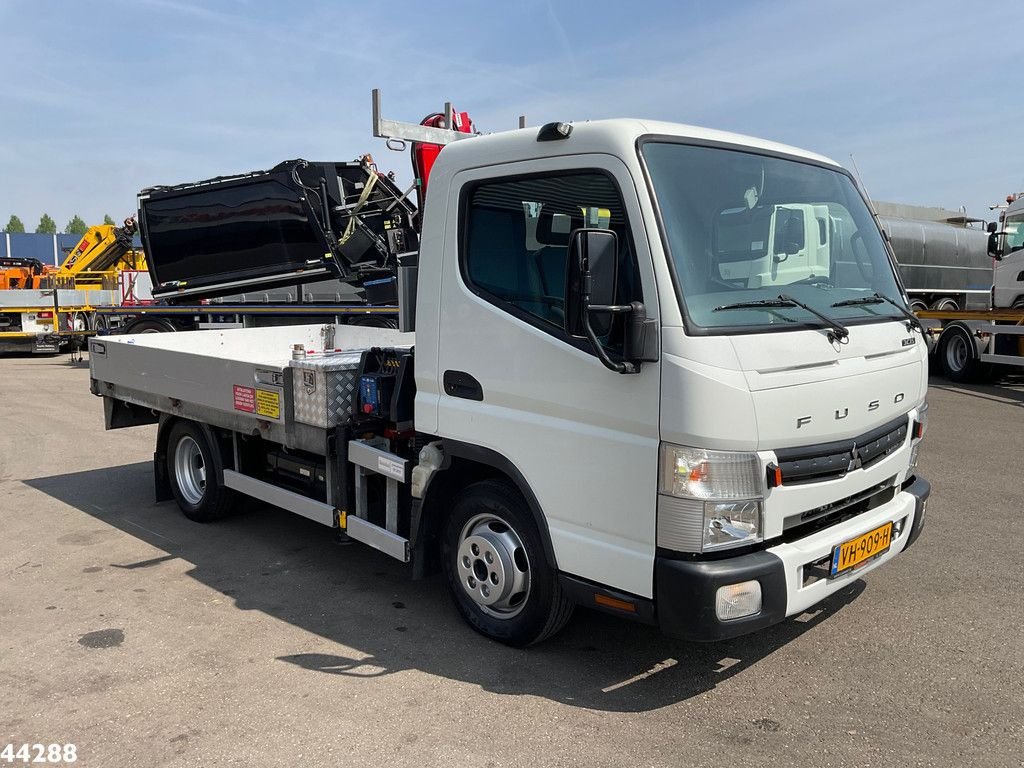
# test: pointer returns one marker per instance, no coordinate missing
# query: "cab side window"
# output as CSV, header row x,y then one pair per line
x,y
516,243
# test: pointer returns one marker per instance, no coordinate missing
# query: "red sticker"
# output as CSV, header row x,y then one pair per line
x,y
245,399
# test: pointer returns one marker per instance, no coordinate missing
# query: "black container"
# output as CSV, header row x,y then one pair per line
x,y
289,225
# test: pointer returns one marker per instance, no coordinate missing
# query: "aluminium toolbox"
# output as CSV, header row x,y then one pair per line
x,y
325,387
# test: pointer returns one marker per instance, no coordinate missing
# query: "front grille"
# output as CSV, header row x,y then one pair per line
x,y
813,520
828,461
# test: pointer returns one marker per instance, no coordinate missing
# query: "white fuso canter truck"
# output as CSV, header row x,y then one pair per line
x,y
617,393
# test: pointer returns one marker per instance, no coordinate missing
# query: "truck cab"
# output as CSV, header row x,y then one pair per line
x,y
1008,281
715,479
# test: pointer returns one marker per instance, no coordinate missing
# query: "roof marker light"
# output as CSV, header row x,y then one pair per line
x,y
554,132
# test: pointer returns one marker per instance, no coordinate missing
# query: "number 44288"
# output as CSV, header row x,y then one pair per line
x,y
39,753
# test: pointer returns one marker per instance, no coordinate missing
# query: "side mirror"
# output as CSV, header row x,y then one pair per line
x,y
591,282
991,227
590,289
995,249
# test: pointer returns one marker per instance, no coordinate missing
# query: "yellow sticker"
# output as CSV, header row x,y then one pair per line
x,y
268,404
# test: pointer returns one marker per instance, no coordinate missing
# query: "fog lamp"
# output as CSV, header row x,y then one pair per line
x,y
734,601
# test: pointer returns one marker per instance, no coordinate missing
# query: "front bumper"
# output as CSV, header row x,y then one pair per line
x,y
685,589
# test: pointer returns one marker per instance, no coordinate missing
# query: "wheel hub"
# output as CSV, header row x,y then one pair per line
x,y
957,353
190,470
492,566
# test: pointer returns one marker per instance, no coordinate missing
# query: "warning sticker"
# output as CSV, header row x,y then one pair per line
x,y
268,404
245,399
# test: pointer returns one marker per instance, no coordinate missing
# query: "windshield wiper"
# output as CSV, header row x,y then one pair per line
x,y
878,298
756,304
837,331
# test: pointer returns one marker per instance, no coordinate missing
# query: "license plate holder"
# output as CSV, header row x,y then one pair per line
x,y
861,549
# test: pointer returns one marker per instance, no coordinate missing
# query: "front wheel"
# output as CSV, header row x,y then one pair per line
x,y
194,469
497,572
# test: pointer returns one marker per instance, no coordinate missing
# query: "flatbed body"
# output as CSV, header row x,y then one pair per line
x,y
250,384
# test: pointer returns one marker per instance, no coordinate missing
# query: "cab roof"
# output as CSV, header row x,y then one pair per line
x,y
618,136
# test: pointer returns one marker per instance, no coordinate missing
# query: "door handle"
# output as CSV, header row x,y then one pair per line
x,y
461,384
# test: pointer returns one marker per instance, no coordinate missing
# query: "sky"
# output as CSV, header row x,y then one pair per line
x,y
101,99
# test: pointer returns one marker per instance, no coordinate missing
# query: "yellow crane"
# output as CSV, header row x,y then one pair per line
x,y
99,257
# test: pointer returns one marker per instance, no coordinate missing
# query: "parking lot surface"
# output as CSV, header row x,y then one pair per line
x,y
148,640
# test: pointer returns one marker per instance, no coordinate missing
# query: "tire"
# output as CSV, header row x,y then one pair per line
x,y
101,324
958,355
918,305
946,304
193,469
149,326
373,321
497,573
1018,304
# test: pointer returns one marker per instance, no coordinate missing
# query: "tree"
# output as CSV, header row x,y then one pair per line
x,y
47,226
14,225
76,226
108,220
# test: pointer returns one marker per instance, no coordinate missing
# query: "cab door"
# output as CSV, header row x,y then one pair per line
x,y
511,380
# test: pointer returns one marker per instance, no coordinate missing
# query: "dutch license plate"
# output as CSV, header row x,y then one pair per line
x,y
852,553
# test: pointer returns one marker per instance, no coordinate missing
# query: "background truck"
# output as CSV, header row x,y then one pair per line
x,y
978,345
587,401
943,267
47,309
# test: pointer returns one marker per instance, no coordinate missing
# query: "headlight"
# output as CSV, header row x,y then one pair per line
x,y
694,473
731,524
722,492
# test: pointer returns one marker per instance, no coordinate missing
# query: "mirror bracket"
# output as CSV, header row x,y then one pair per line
x,y
626,366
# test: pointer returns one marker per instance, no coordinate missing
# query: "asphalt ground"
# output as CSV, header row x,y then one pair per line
x,y
147,640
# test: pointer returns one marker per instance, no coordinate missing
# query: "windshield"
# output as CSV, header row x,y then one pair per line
x,y
742,227
1014,229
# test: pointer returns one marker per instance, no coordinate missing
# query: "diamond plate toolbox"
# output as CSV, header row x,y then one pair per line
x,y
325,388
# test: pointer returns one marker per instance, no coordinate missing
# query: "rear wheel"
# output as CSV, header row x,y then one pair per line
x,y
194,469
153,325
373,321
946,304
497,571
918,305
959,355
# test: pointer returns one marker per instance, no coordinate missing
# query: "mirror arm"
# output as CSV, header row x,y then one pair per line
x,y
611,365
